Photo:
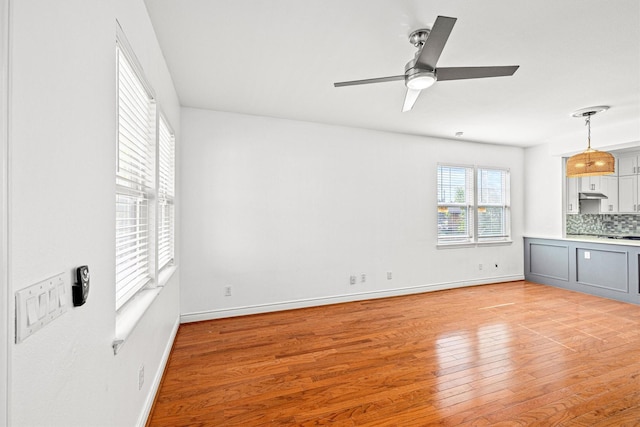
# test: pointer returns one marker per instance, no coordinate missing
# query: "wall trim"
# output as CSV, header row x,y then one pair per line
x,y
313,302
5,290
157,379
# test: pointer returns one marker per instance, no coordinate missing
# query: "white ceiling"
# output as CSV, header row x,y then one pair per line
x,y
280,58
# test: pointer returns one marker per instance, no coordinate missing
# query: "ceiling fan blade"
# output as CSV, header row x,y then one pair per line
x,y
410,99
367,81
434,45
461,73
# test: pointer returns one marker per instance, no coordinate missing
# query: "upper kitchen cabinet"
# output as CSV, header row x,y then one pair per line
x,y
628,171
628,165
573,206
628,194
590,184
609,187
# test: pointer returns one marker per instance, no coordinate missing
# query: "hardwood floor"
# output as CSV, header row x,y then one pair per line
x,y
509,354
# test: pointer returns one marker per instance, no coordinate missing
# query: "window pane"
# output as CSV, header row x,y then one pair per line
x,y
166,178
491,221
452,223
491,187
453,185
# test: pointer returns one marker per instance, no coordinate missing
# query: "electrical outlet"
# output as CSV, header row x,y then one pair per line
x,y
227,291
140,377
363,278
389,275
352,280
479,266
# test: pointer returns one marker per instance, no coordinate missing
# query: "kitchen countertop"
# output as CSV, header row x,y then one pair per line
x,y
593,239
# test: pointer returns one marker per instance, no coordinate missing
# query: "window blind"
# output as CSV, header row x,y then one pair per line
x,y
455,198
492,203
134,181
166,190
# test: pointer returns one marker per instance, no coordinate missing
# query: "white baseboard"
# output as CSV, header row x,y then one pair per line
x,y
157,379
311,302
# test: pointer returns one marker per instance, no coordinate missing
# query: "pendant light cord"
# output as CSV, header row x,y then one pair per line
x,y
588,120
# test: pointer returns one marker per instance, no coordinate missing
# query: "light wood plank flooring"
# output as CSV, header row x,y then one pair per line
x,y
510,354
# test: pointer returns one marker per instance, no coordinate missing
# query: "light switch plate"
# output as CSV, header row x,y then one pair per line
x,y
39,304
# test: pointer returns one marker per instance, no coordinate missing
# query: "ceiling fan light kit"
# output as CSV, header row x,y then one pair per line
x,y
420,80
590,162
421,72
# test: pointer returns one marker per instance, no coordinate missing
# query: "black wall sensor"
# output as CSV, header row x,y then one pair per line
x,y
81,288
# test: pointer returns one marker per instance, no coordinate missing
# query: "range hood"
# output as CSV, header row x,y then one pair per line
x,y
591,196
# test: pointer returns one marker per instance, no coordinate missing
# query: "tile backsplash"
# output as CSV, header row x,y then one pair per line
x,y
603,224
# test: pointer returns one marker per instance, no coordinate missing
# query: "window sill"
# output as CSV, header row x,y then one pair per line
x,y
441,245
130,314
473,244
495,243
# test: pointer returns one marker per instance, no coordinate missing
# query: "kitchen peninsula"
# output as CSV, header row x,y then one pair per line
x,y
603,265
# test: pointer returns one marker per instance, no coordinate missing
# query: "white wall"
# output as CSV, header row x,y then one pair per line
x,y
543,182
61,211
285,211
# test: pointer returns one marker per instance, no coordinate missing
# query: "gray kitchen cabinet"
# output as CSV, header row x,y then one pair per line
x,y
593,267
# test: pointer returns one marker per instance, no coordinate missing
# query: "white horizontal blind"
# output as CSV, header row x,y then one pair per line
x,y
166,192
492,203
455,201
134,181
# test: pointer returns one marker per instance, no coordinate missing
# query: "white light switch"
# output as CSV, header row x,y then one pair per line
x,y
32,311
43,304
53,299
39,304
62,296
587,255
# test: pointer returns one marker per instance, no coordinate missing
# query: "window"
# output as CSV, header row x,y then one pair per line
x,y
455,200
144,183
134,181
473,204
166,162
492,204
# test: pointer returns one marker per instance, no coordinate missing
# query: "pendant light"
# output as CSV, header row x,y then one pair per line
x,y
590,162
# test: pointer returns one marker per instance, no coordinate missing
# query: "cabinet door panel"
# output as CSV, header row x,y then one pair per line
x,y
627,165
627,194
572,196
609,187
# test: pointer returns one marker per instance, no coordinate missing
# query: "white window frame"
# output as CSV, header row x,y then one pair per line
x,y
146,189
475,206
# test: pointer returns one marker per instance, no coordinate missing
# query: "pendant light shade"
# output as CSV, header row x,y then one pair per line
x,y
590,162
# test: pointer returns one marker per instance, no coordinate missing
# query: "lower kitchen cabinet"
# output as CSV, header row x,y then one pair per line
x,y
606,270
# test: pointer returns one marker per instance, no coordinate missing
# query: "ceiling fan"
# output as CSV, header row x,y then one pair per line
x,y
421,72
